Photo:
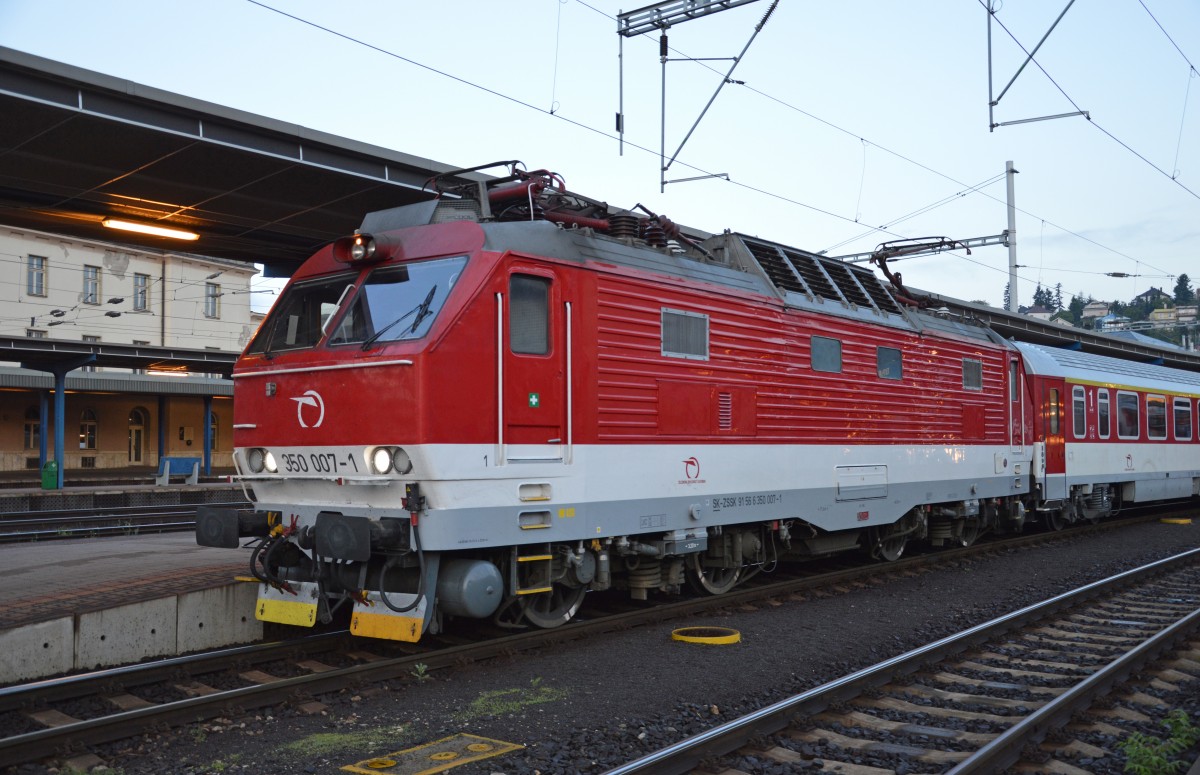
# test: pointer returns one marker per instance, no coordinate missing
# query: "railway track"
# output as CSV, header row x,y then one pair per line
x,y
979,701
61,717
16,527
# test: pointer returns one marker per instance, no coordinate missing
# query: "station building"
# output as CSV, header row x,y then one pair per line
x,y
57,290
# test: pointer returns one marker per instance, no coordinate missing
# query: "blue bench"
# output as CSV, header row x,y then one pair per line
x,y
178,466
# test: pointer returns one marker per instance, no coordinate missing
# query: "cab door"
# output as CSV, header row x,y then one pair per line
x,y
1016,407
533,379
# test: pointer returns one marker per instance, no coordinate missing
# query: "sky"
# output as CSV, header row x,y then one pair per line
x,y
848,124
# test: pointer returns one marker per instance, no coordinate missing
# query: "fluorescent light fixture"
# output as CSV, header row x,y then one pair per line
x,y
146,228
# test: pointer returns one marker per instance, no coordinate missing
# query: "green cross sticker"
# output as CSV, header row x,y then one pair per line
x,y
533,400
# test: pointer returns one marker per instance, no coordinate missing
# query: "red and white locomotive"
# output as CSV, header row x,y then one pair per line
x,y
488,404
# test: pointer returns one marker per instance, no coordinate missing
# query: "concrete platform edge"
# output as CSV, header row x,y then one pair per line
x,y
165,626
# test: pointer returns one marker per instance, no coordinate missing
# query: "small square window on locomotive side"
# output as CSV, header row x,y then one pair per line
x,y
972,374
684,334
889,362
826,354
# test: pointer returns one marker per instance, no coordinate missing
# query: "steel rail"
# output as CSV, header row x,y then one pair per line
x,y
42,743
683,756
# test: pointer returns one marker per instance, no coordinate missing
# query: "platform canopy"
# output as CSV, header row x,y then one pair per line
x,y
78,147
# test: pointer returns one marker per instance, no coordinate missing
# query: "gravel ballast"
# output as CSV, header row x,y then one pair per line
x,y
594,703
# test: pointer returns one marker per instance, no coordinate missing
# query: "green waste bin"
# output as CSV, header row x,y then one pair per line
x,y
50,475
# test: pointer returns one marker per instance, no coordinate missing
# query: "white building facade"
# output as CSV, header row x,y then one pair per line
x,y
58,288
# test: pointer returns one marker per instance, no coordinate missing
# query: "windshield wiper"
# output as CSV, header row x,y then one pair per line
x,y
421,310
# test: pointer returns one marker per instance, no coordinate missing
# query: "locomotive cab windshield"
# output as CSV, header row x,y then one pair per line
x,y
393,303
398,302
299,320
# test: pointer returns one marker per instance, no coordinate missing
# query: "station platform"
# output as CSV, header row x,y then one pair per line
x,y
80,604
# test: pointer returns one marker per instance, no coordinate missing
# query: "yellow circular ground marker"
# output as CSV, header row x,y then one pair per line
x,y
380,764
479,747
444,756
713,636
1182,521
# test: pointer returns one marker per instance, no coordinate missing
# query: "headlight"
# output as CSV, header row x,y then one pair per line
x,y
269,461
363,247
255,459
381,460
386,460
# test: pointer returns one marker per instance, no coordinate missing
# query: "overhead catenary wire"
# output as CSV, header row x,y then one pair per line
x,y
748,187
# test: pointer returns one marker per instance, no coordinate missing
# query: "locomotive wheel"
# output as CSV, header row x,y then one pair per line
x,y
971,530
553,608
889,542
1056,520
711,581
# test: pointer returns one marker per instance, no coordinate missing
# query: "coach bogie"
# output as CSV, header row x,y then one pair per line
x,y
1093,502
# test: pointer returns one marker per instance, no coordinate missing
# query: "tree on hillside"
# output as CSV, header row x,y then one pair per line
x,y
1076,308
1043,297
1058,296
1183,290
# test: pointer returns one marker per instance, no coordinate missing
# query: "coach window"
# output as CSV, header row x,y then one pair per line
x,y
1156,417
1103,418
972,374
889,363
1053,413
1078,412
529,314
826,354
1182,419
684,334
1128,422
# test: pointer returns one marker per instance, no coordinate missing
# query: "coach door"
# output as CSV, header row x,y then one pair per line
x,y
1053,392
533,381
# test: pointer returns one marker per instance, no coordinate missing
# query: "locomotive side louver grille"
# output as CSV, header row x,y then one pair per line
x,y
847,284
876,290
813,275
725,411
776,268
800,272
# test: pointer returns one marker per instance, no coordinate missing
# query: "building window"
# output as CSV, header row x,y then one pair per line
x,y
684,335
1078,411
1103,416
826,354
141,292
91,285
33,428
212,429
529,315
1156,417
972,374
34,333
212,300
1183,419
1128,422
87,429
35,276
889,363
